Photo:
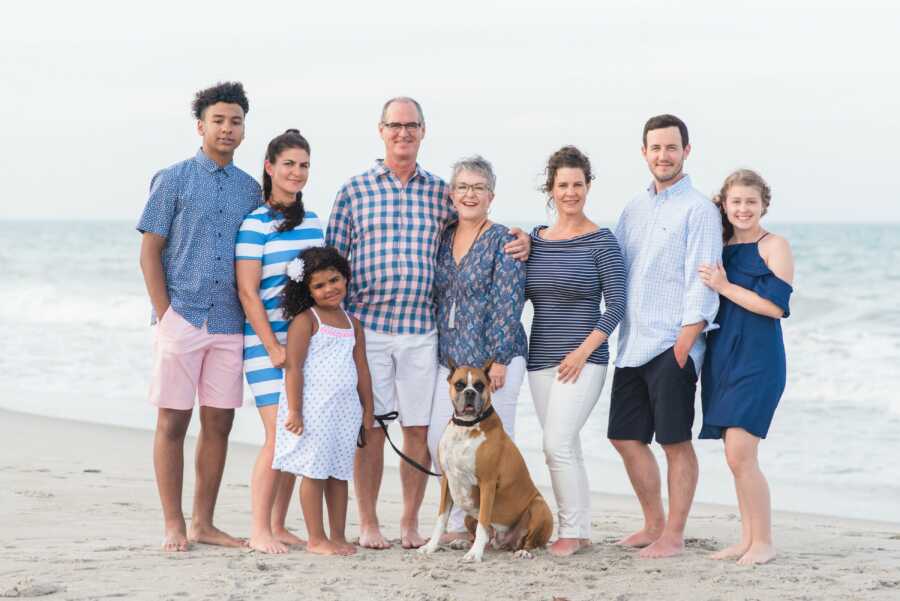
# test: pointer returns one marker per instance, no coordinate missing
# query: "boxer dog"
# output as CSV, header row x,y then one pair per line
x,y
484,473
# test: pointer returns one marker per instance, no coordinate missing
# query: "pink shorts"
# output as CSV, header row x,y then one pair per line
x,y
190,362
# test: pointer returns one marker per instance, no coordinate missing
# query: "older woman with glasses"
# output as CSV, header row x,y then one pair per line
x,y
479,295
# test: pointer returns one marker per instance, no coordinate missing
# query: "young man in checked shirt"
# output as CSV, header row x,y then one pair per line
x,y
388,221
666,233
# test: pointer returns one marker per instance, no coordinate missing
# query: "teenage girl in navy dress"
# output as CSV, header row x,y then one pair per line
x,y
744,371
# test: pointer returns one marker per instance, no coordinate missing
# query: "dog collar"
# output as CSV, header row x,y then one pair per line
x,y
480,418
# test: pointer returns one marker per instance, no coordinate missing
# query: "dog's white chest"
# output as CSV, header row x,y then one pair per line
x,y
457,456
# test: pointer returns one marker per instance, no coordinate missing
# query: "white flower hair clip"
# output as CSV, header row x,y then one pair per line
x,y
295,269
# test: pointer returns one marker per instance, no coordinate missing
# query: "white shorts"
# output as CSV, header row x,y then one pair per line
x,y
404,369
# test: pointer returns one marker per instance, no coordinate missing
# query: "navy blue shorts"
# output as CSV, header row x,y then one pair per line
x,y
654,398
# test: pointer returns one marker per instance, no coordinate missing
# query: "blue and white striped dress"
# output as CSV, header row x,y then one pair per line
x,y
260,240
566,281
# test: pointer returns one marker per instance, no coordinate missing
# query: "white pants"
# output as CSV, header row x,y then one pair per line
x,y
563,409
504,403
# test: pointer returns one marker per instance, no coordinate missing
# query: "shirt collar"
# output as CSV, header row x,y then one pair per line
x,y
210,165
681,186
381,169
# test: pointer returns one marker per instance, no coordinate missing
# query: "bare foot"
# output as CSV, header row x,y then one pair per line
x,y
371,538
449,537
343,547
322,547
640,539
267,544
210,535
758,553
664,546
564,547
732,552
287,537
411,539
175,539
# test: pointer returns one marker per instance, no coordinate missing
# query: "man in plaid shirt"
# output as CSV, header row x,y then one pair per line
x,y
389,221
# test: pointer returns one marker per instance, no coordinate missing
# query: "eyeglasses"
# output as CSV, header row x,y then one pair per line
x,y
412,127
478,189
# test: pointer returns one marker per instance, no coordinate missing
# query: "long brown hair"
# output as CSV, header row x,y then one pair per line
x,y
294,212
741,177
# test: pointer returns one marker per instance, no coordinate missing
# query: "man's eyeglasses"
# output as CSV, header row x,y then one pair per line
x,y
478,189
395,127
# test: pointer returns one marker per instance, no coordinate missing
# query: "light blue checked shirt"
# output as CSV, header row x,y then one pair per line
x,y
391,233
665,237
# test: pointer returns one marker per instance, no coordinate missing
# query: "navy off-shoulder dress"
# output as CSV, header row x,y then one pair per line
x,y
744,371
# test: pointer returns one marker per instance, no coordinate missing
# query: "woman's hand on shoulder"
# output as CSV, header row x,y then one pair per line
x,y
776,252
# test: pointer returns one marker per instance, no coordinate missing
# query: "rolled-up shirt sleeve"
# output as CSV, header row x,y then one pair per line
x,y
704,246
612,281
507,300
340,225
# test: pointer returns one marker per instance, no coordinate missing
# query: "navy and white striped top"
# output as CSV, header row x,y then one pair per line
x,y
566,281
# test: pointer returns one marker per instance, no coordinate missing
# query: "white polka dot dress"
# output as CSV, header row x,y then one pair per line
x,y
332,412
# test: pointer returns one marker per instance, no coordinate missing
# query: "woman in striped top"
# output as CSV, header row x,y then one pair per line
x,y
574,265
269,238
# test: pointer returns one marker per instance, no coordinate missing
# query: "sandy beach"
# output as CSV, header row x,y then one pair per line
x,y
81,520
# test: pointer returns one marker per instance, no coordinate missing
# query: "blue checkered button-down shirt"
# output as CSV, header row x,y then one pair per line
x,y
391,233
198,208
665,237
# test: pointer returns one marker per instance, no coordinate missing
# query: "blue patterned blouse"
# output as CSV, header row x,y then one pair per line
x,y
488,291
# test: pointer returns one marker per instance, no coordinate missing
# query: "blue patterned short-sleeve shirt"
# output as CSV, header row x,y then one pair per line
x,y
198,207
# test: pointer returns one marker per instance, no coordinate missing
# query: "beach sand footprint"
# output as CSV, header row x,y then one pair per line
x,y
35,494
29,588
706,544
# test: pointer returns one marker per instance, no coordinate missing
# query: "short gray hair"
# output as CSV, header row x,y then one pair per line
x,y
478,164
412,101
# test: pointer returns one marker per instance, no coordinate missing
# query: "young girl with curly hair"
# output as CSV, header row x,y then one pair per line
x,y
327,393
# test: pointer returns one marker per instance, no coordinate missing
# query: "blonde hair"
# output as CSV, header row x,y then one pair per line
x,y
741,177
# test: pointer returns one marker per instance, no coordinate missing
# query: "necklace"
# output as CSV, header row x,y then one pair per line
x,y
451,320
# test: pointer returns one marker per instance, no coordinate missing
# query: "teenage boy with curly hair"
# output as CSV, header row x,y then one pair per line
x,y
189,226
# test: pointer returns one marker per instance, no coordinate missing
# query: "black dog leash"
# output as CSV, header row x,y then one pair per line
x,y
391,416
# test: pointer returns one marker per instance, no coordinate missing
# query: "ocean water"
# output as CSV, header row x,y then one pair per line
x,y
77,345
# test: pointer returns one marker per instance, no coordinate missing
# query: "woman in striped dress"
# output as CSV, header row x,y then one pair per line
x,y
574,265
269,238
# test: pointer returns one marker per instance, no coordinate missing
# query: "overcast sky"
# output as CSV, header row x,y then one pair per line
x,y
96,95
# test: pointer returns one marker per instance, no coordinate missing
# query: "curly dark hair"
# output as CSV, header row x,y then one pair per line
x,y
664,121
295,297
567,156
295,212
231,92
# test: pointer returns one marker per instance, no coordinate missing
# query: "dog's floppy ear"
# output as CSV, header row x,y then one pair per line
x,y
487,365
451,364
